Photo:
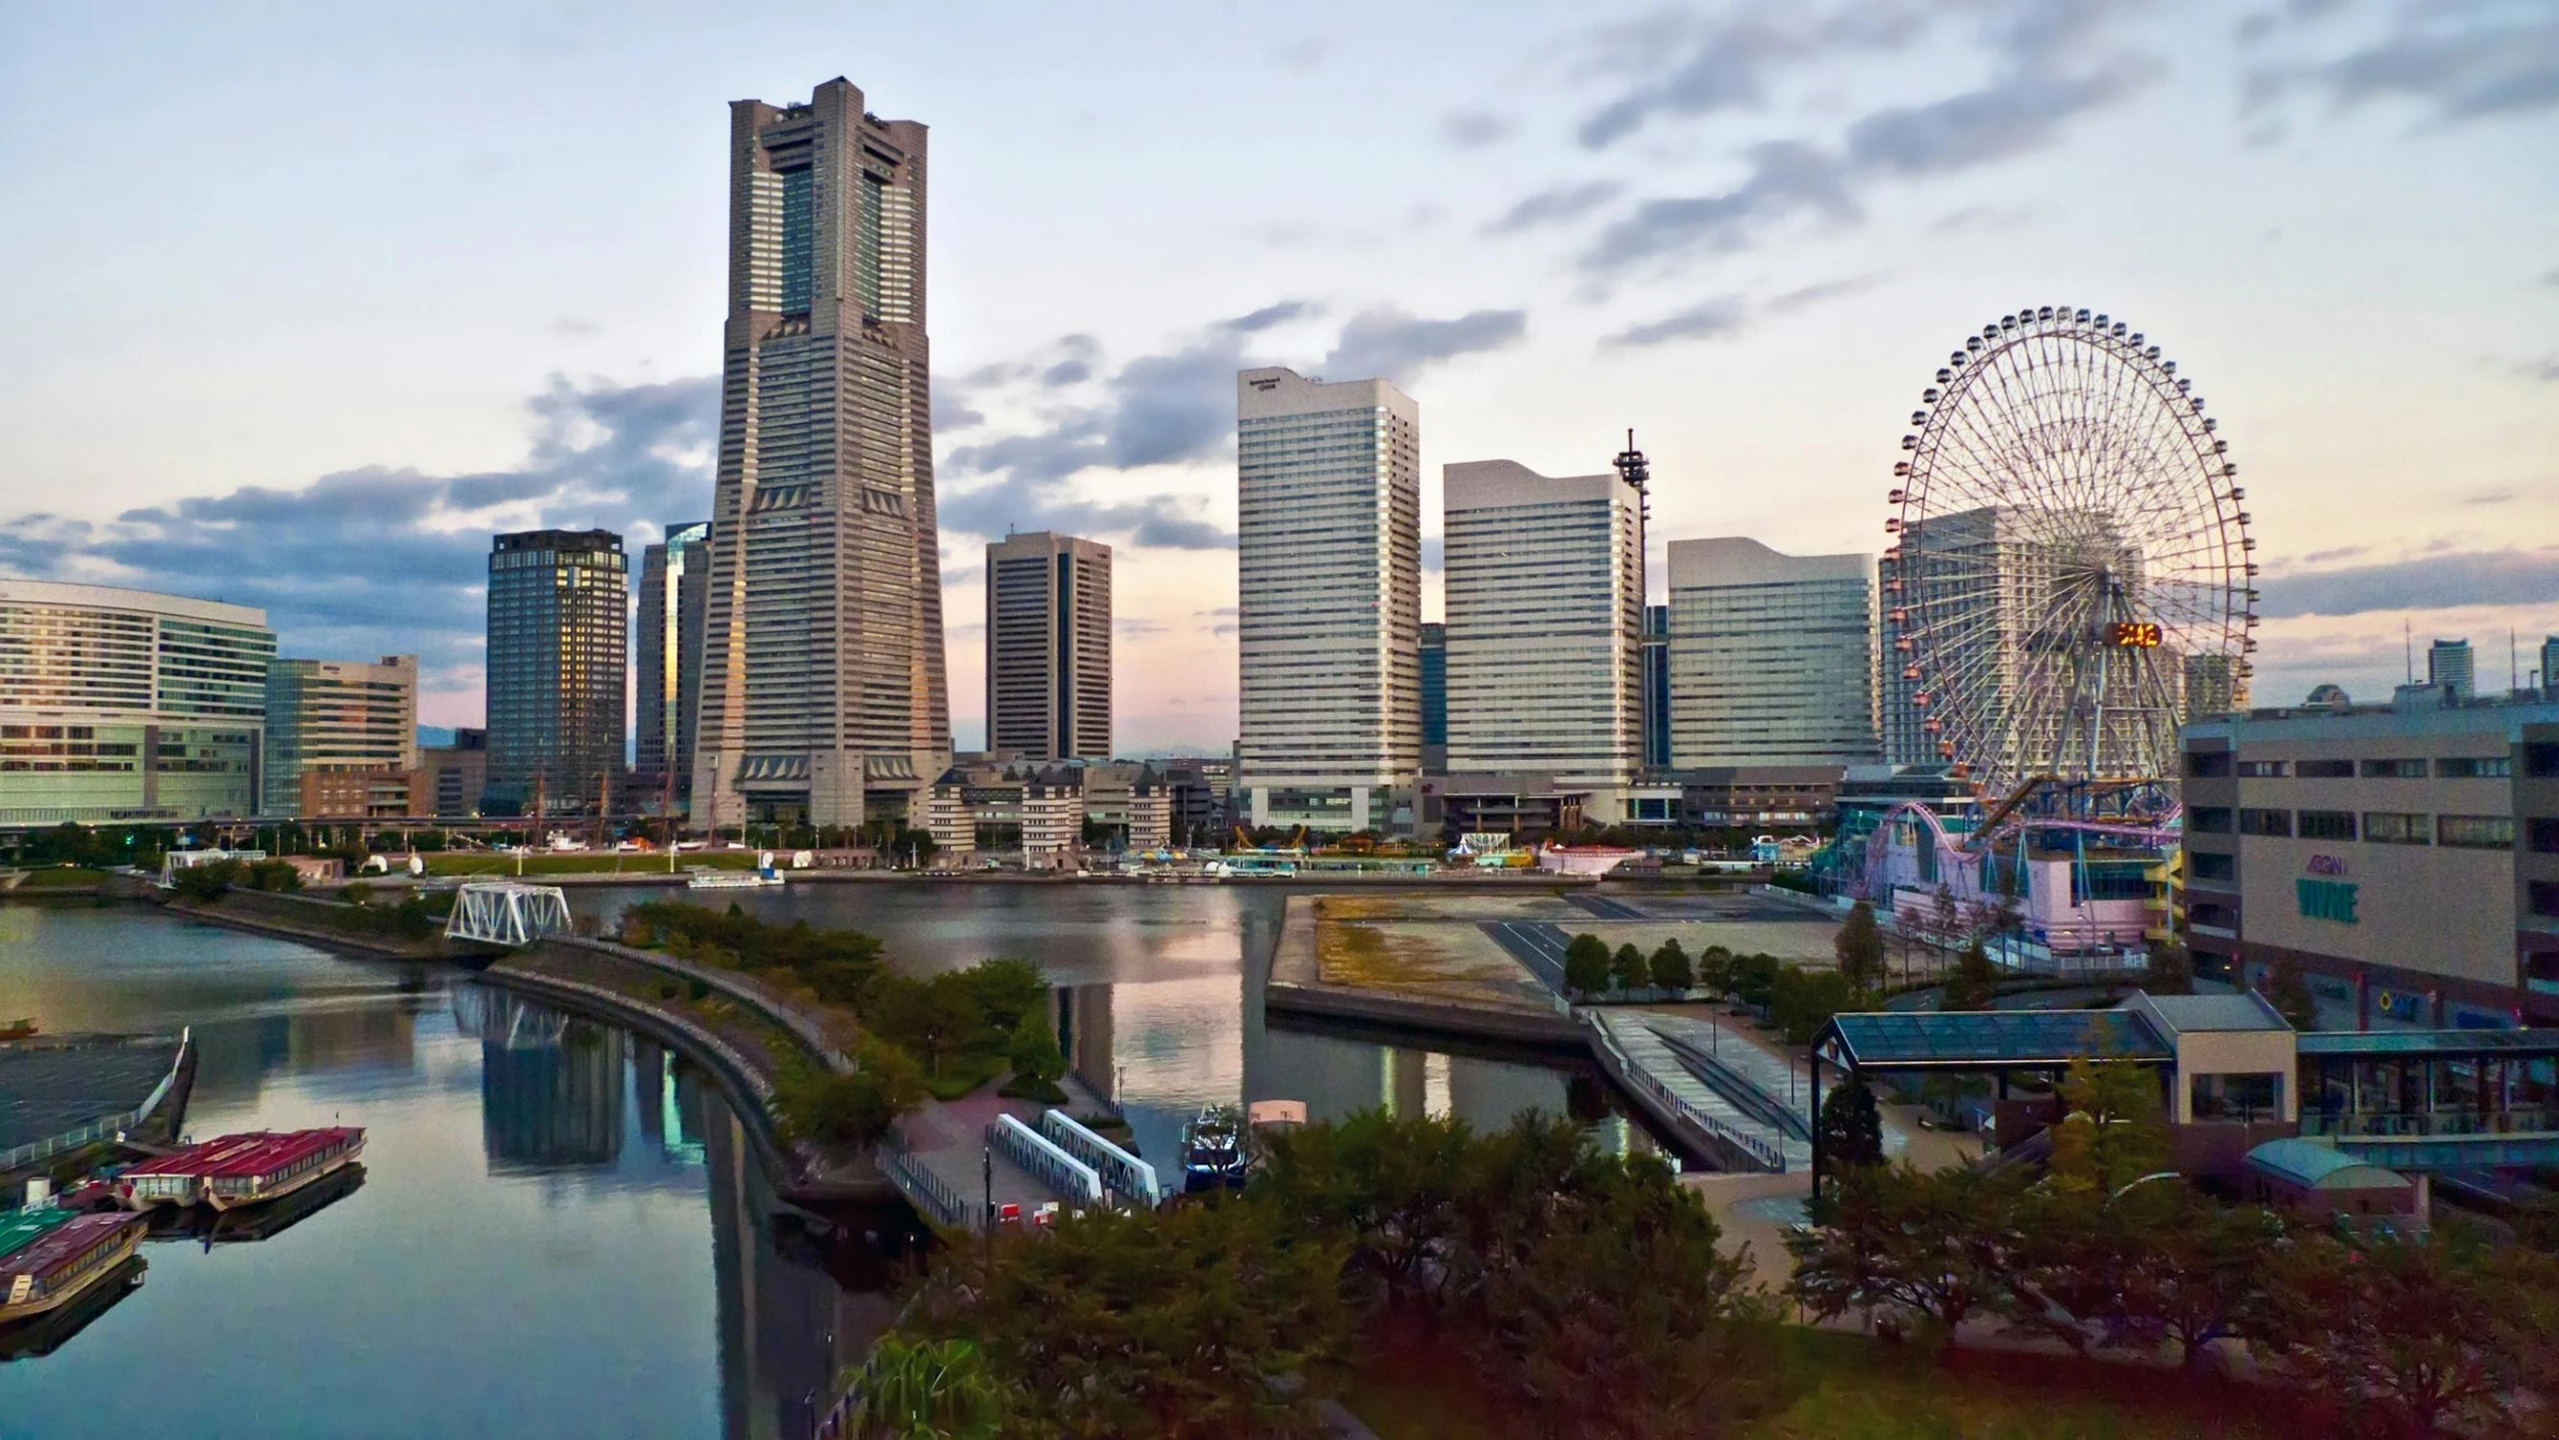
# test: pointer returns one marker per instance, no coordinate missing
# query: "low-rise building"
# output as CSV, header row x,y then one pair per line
x,y
2405,856
1033,814
1132,799
1524,806
1759,797
341,738
453,776
1200,788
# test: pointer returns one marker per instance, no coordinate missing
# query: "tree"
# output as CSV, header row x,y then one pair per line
x,y
856,1108
1390,1188
1715,970
2288,990
1859,948
1973,985
2172,969
1586,965
1754,978
1926,1247
1852,1127
1628,970
2417,1336
1036,1061
1670,967
926,1390
1944,926
1801,1001
2111,1132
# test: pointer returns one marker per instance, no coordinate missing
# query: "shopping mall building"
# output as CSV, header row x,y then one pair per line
x,y
2406,855
125,705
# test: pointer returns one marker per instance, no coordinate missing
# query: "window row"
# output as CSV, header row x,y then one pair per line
x,y
2462,767
2377,827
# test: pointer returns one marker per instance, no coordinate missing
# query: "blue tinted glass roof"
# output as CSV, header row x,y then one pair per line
x,y
1995,1037
2431,1042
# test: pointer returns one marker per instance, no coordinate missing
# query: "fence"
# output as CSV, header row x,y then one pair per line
x,y
1126,1176
107,1127
1771,1156
926,1191
1045,1162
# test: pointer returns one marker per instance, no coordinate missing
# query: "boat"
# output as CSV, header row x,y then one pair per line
x,y
1213,1155
18,1030
260,1222
35,1338
54,1269
706,878
245,1169
22,1228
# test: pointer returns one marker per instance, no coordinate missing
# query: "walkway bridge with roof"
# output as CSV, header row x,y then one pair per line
x,y
2431,1100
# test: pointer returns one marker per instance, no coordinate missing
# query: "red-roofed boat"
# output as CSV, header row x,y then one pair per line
x,y
53,1269
236,1170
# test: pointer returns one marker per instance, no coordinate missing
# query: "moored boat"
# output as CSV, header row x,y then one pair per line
x,y
53,1269
707,878
236,1170
21,1228
1213,1155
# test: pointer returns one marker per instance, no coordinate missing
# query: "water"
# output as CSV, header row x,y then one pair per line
x,y
560,1231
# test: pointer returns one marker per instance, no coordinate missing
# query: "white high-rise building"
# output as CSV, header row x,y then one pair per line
x,y
1329,600
1545,615
1772,657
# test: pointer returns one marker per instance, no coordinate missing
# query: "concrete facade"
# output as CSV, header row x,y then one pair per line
x,y
1545,607
1328,598
1772,658
1048,647
2407,858
121,704
824,697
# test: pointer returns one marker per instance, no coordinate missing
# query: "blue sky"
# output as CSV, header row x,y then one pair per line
x,y
304,301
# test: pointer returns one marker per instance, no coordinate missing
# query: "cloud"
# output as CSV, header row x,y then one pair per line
x,y
2434,582
575,328
1730,64
1721,316
1474,129
1137,627
1394,345
2019,113
1807,296
1253,322
2321,557
2545,368
2551,279
384,560
2488,497
1555,205
2463,63
1787,178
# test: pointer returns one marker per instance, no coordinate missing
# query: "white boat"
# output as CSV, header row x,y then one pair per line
x,y
707,878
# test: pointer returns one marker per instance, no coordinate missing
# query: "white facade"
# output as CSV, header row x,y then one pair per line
x,y
1772,657
1545,606
1328,595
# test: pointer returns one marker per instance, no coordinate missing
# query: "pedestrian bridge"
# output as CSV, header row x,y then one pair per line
x,y
507,913
2430,1100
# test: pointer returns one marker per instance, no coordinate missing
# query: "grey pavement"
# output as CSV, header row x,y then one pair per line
x,y
1644,1048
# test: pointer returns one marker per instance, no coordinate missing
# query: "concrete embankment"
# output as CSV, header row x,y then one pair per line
x,y
332,925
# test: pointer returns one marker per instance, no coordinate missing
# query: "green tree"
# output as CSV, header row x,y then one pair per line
x,y
1586,965
1910,1247
1627,970
2288,990
1852,1126
2418,1336
1037,1062
1388,1187
1801,1001
926,1390
1715,970
1973,985
2111,1132
1670,967
1754,978
812,1103
1859,948
2172,969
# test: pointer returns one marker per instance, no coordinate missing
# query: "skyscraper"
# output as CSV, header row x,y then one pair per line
x,y
1048,647
1545,603
1656,687
2549,681
823,691
558,665
341,718
666,655
1329,599
1434,657
2449,662
1772,658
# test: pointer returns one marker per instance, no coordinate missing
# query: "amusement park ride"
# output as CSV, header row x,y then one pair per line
x,y
2070,578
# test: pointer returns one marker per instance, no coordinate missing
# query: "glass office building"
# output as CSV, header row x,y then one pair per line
x,y
559,619
125,705
666,657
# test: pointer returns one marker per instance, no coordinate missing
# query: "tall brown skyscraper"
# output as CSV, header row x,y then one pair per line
x,y
823,693
1048,647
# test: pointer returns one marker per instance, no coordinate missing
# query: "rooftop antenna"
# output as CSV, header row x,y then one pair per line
x,y
2408,644
1635,470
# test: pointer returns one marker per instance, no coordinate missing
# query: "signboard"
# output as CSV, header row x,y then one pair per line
x,y
2330,900
2136,635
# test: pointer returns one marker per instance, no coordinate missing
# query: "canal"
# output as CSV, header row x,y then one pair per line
x,y
559,1230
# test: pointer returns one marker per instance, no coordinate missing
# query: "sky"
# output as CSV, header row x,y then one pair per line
x,y
303,302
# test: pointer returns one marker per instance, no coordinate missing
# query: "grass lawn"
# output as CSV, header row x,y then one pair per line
x,y
61,877
965,1074
1853,1388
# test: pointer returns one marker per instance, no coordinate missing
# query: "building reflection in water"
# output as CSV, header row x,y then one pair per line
x,y
798,1300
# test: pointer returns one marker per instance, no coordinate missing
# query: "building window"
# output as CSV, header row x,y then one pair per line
x,y
2266,822
2391,827
2208,820
2394,769
2545,898
2209,866
2207,764
2237,1097
2541,760
2544,830
2327,825
2324,769
2476,832
2264,769
2480,767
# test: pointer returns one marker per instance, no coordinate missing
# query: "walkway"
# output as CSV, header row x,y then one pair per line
x,y
1659,1068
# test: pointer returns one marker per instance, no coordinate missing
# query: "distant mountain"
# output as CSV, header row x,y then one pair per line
x,y
432,736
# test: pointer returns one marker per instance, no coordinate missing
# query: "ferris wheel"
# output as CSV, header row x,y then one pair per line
x,y
2070,577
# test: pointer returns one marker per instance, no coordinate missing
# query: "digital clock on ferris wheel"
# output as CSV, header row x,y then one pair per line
x,y
2135,635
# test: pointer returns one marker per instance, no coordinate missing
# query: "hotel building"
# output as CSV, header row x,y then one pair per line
x,y
1329,604
1772,658
1048,647
342,739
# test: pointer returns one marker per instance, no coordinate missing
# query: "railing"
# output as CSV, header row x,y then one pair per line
x,y
773,1007
1770,1155
926,1191
2397,1125
106,1126
1127,1176
1045,1162
1744,1093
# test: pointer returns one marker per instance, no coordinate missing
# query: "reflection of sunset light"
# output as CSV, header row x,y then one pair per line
x,y
1180,1040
